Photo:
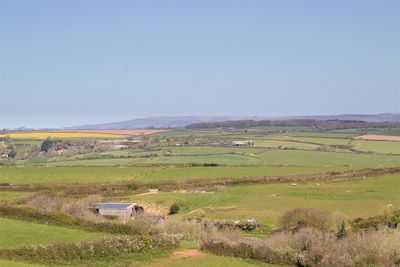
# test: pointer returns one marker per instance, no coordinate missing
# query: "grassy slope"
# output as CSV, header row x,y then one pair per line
x,y
208,260
385,147
142,174
9,263
17,233
68,174
184,174
362,197
316,158
4,195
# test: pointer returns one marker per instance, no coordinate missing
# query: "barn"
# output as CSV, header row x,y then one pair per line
x,y
122,210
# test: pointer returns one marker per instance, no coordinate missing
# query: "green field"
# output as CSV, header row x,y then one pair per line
x,y
318,158
9,263
21,233
361,197
180,174
395,132
384,147
4,195
205,259
68,174
285,144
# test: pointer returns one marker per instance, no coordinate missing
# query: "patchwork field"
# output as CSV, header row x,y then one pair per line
x,y
200,171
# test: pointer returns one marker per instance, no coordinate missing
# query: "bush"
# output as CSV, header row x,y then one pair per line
x,y
300,218
47,144
87,250
314,247
174,209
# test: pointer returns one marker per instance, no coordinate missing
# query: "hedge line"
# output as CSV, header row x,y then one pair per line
x,y
59,219
93,249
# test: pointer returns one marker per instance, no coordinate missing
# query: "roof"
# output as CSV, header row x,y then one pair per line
x,y
119,206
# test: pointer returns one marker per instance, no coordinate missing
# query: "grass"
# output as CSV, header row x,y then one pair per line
x,y
395,132
79,174
17,233
4,195
384,147
318,158
320,140
68,174
40,135
9,263
361,197
179,174
286,144
228,159
206,259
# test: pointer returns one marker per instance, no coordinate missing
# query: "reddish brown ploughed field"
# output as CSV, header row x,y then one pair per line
x,y
376,137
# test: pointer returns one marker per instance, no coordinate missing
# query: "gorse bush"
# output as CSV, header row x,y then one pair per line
x,y
315,247
174,209
78,208
310,217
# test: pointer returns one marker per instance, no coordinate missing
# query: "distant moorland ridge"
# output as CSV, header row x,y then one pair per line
x,y
183,121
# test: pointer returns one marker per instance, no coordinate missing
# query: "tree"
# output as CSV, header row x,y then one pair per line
x,y
12,152
47,144
174,209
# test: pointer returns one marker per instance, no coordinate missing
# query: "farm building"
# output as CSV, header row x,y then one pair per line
x,y
243,143
122,210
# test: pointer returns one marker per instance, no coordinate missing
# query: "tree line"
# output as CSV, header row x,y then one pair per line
x,y
320,125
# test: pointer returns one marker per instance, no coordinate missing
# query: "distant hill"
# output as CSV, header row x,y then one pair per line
x,y
182,121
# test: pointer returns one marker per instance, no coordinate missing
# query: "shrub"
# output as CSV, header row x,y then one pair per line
x,y
174,209
314,247
78,208
87,250
47,144
189,230
310,217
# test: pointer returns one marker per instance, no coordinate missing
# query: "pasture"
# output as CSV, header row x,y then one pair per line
x,y
22,233
383,147
267,202
44,175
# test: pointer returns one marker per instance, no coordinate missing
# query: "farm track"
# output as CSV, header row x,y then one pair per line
x,y
128,187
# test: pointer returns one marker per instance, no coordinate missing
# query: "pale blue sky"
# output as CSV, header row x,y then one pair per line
x,y
68,62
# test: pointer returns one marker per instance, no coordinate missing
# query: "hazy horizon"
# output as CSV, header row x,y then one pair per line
x,y
65,63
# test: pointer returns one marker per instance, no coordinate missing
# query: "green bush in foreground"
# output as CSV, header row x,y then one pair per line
x,y
174,209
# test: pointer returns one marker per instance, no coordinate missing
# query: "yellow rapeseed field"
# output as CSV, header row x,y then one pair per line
x,y
44,134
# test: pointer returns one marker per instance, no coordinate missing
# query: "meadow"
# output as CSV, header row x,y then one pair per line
x,y
267,202
22,233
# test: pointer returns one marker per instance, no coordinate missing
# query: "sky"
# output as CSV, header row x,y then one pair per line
x,y
71,62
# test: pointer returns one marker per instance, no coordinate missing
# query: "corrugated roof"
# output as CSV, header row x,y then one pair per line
x,y
113,206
